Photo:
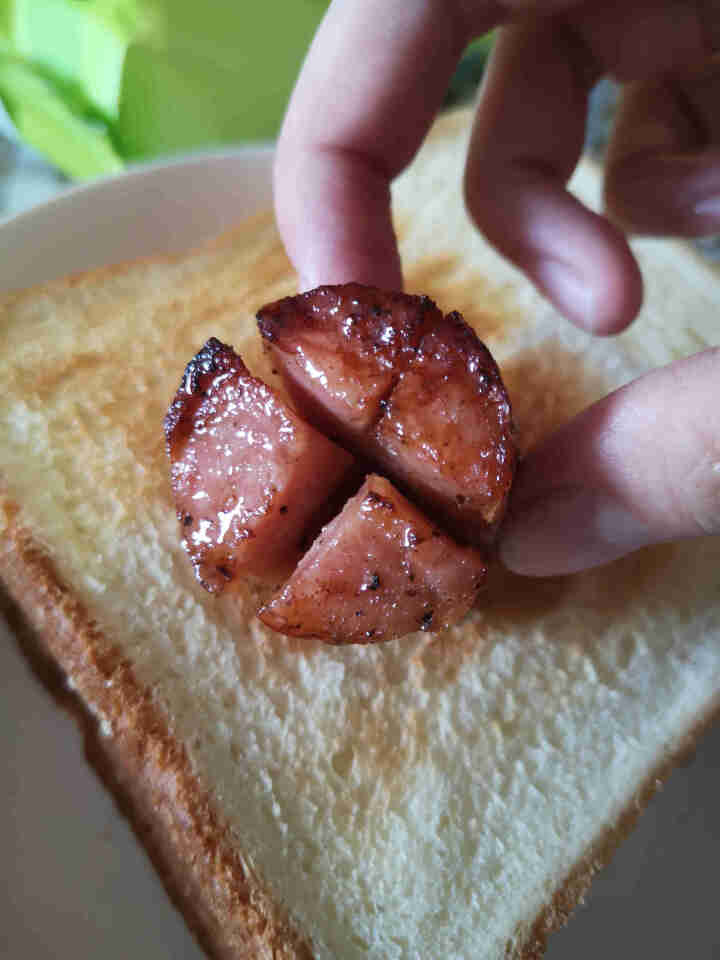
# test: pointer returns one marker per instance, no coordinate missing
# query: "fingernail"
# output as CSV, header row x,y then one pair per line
x,y
568,290
710,207
570,530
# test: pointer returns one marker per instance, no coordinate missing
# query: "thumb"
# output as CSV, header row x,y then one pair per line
x,y
639,467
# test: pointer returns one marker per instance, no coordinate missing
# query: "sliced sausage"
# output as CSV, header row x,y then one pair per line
x,y
247,472
413,393
341,349
445,436
378,571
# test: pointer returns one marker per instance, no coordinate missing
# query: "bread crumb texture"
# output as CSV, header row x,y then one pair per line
x,y
424,798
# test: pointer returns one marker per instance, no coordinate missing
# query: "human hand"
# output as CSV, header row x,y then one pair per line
x,y
617,477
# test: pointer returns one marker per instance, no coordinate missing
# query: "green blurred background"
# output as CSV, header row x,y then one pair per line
x,y
96,84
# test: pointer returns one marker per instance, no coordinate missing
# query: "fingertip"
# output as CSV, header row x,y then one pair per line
x,y
602,299
618,287
570,530
516,181
671,194
663,160
636,468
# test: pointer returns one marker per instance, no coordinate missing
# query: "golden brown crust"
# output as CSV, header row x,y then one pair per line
x,y
149,774
148,770
572,893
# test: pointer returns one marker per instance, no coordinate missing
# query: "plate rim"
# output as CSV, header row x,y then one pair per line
x,y
158,165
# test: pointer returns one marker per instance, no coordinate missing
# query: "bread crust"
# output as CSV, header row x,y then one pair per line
x,y
147,769
149,773
572,893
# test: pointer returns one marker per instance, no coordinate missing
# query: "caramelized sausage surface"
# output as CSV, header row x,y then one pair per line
x,y
248,474
415,396
379,570
341,349
445,435
413,393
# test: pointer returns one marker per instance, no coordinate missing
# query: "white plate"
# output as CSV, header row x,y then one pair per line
x,y
77,885
154,209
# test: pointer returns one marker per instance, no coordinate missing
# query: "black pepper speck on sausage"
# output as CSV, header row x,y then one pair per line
x,y
239,455
340,350
413,393
446,433
354,583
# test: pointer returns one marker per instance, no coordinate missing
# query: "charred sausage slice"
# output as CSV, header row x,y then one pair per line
x,y
247,472
378,571
341,349
445,436
408,390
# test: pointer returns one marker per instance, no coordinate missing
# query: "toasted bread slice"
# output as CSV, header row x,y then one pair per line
x,y
443,796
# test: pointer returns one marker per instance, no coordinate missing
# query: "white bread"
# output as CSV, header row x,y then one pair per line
x,y
438,797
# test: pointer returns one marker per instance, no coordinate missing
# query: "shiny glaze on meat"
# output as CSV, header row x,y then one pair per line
x,y
445,435
378,571
341,349
248,474
413,393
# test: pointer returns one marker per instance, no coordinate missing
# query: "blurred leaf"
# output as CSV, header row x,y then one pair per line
x,y
466,79
131,19
6,11
268,38
45,121
71,93
224,74
83,41
173,101
91,81
482,44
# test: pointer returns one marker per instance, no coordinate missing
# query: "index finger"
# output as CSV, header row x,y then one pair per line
x,y
371,84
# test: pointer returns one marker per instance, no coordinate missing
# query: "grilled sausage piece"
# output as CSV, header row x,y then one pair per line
x,y
378,571
341,349
406,389
248,474
445,436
